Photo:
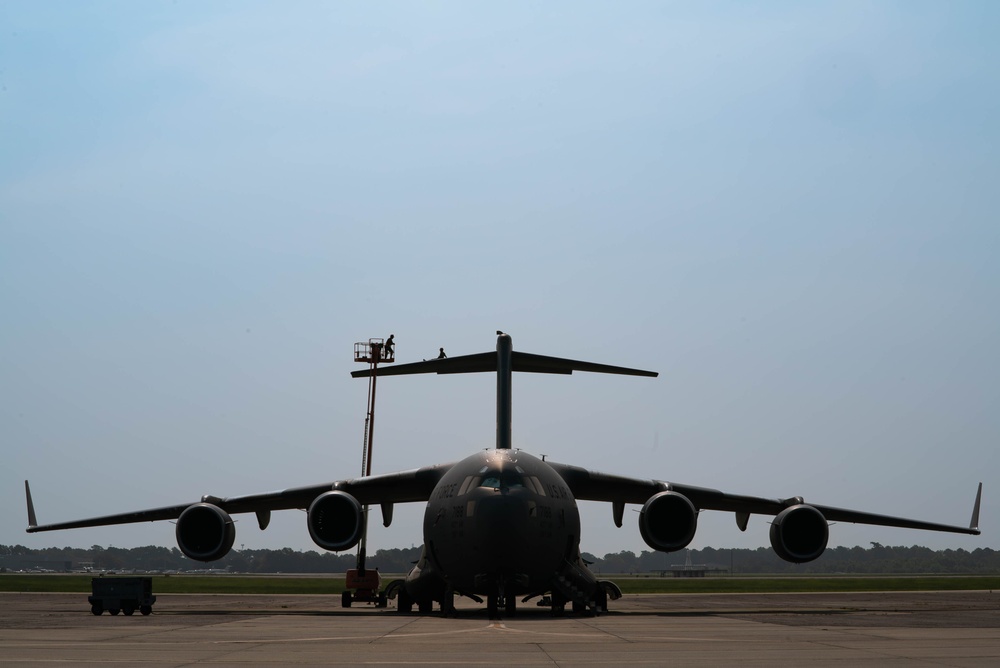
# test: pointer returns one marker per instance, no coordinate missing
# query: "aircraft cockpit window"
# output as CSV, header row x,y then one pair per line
x,y
512,479
530,484
491,480
539,487
497,479
470,482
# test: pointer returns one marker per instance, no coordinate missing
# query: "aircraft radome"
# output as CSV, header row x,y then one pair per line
x,y
501,523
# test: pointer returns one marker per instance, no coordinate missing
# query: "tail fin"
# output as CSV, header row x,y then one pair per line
x,y
32,520
974,524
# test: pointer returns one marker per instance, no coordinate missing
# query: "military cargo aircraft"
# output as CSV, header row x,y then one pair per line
x,y
502,523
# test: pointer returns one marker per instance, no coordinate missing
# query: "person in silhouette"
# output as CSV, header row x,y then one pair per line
x,y
390,347
441,354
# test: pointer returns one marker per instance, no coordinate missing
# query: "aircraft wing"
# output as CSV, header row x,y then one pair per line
x,y
595,486
402,487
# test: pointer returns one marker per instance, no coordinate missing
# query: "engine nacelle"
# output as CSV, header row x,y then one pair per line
x,y
668,521
205,532
799,534
335,521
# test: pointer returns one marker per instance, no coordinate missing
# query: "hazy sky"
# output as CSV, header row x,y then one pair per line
x,y
789,210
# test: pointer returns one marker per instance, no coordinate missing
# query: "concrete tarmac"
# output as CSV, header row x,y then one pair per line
x,y
871,629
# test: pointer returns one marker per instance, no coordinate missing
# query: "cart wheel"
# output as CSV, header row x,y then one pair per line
x,y
128,611
113,611
145,609
96,609
345,599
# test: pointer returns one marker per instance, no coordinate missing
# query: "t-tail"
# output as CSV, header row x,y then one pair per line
x,y
505,361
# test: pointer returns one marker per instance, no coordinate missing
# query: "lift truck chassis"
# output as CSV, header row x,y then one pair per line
x,y
366,585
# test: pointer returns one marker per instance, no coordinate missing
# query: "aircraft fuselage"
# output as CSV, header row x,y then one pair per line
x,y
501,519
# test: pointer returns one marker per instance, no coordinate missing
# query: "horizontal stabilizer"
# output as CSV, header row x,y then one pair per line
x,y
543,364
484,362
479,363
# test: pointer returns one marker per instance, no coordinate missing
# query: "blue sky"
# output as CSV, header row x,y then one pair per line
x,y
789,210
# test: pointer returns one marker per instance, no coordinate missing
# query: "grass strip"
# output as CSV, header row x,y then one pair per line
x,y
235,584
182,584
777,585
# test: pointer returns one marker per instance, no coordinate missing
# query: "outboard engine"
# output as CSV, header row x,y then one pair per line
x,y
668,521
205,532
335,521
799,534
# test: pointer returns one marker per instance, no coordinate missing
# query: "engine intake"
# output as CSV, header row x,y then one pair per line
x,y
799,534
205,532
335,521
668,521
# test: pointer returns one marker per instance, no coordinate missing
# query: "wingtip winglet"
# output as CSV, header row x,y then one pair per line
x,y
32,520
974,524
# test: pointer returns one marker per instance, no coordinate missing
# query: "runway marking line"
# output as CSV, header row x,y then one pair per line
x,y
493,626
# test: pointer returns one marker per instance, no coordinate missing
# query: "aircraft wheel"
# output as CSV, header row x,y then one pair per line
x,y
510,606
113,611
425,606
345,599
96,609
403,601
145,609
448,604
383,601
129,611
491,605
558,609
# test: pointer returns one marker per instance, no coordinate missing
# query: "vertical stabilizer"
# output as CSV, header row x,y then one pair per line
x,y
505,372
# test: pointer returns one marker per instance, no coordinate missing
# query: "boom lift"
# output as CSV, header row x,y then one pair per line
x,y
364,585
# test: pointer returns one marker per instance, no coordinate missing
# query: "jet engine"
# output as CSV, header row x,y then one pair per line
x,y
799,534
335,521
668,521
205,532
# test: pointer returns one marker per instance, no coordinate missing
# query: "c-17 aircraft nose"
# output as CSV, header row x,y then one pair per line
x,y
498,514
501,533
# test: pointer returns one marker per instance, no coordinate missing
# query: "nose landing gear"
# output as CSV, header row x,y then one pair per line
x,y
501,600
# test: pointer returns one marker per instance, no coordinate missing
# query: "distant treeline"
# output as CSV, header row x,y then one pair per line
x,y
877,559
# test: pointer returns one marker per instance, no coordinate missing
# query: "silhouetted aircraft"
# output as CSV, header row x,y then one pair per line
x,y
502,523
